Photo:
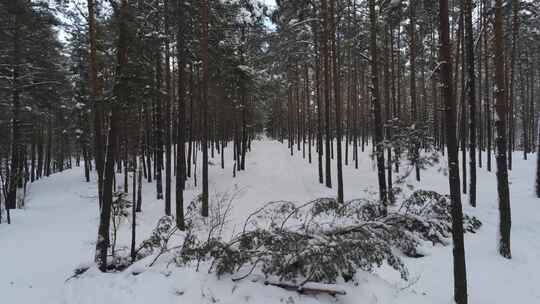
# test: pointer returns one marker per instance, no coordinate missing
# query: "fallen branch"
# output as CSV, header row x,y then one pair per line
x,y
309,287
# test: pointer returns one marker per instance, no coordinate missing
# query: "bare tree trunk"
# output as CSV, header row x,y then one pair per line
x,y
511,95
337,99
376,102
317,68
471,96
180,141
158,126
487,97
134,209
120,91
15,175
414,106
326,67
95,95
204,98
388,117
500,123
308,109
460,273
167,120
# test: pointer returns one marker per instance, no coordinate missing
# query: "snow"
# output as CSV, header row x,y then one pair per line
x,y
244,16
48,239
56,234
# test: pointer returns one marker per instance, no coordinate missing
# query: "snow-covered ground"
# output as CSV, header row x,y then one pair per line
x,y
56,232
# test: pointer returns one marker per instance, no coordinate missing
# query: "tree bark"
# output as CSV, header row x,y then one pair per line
x,y
378,141
471,96
180,141
500,124
326,88
460,273
120,93
95,96
337,99
167,120
204,107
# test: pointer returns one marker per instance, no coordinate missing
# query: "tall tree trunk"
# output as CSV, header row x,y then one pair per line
x,y
487,97
204,106
460,273
120,92
378,141
414,105
15,175
317,68
511,98
500,123
191,125
95,96
167,120
326,76
180,140
471,96
460,60
158,126
308,109
133,253
337,98
388,116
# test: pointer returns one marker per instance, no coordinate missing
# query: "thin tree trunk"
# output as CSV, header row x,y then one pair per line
x,y
15,175
158,126
471,96
204,107
317,67
180,140
167,120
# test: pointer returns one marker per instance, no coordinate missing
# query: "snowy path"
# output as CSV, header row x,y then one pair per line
x,y
47,240
56,233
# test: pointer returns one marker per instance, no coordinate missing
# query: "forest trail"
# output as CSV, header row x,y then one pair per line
x,y
48,239
57,231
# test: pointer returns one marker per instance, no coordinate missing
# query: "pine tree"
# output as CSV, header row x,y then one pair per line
x,y
204,11
471,96
460,272
95,96
120,94
501,142
180,140
378,140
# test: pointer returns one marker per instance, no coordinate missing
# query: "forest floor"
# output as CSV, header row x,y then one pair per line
x,y
56,232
